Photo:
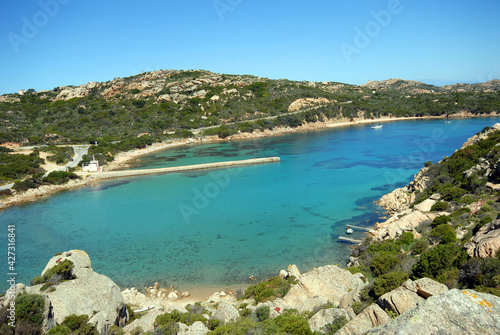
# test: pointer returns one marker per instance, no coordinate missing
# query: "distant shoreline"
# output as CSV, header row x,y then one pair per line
x,y
123,160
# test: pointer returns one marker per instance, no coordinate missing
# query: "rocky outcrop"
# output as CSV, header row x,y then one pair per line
x,y
306,102
453,312
408,295
401,198
408,220
322,285
320,320
226,312
486,242
480,136
90,293
372,316
197,328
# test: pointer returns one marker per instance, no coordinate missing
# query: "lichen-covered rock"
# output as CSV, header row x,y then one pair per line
x,y
453,312
371,316
486,242
326,316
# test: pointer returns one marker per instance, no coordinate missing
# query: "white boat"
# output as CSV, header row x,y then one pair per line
x,y
376,126
349,231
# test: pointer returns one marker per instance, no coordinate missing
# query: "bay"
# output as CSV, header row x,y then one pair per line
x,y
218,227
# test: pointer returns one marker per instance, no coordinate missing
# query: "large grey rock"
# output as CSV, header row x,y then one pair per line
x,y
372,316
406,297
453,312
197,328
322,285
326,316
91,293
226,313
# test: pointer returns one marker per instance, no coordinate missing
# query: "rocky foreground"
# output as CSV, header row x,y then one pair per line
x,y
423,306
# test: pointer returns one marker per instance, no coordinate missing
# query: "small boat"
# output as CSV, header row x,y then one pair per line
x,y
376,126
447,122
349,231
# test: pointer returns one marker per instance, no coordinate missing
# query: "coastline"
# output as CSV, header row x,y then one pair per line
x,y
203,292
123,159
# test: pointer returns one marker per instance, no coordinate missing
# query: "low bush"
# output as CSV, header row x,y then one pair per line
x,y
439,220
29,308
388,282
74,324
262,313
452,193
293,323
270,289
440,206
164,320
444,232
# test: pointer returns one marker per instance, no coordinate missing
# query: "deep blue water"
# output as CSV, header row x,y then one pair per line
x,y
218,227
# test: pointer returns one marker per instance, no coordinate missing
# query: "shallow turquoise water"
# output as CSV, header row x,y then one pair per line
x,y
218,227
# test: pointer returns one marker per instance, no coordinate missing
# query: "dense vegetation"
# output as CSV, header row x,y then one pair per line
x,y
165,102
18,166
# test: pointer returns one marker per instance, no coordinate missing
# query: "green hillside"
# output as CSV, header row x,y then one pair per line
x,y
172,103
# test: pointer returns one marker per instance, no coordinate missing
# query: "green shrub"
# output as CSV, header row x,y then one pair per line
x,y
419,247
262,313
439,220
29,308
440,206
460,212
445,233
115,330
213,323
60,177
63,270
176,316
338,323
270,289
357,307
436,261
452,193
291,322
388,282
406,238
383,263
75,324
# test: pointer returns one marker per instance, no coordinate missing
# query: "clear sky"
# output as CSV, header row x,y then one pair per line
x,y
51,43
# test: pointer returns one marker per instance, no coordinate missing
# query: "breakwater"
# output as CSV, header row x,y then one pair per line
x,y
143,172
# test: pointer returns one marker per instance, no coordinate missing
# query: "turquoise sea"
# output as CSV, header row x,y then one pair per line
x,y
218,227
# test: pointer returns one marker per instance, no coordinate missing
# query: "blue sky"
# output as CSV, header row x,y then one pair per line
x,y
51,43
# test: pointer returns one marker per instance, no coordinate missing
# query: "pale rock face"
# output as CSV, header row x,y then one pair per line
x,y
293,271
306,102
197,328
426,205
324,284
371,316
78,296
486,242
453,312
326,316
226,313
397,224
